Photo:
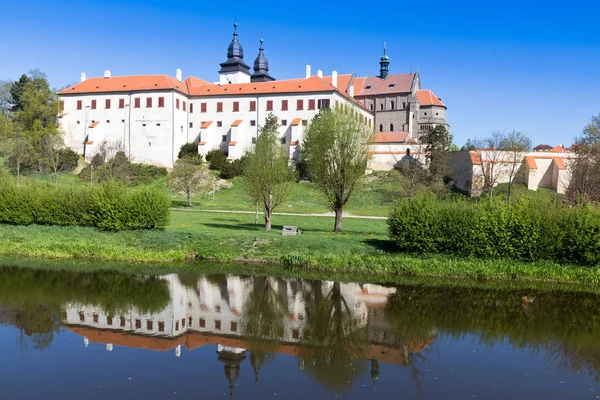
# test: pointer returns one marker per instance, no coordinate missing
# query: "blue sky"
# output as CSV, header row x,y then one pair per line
x,y
526,65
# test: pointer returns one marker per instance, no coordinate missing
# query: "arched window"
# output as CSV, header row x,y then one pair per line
x,y
391,127
392,105
403,105
381,106
380,127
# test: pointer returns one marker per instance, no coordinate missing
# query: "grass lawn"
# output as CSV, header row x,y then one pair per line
x,y
361,250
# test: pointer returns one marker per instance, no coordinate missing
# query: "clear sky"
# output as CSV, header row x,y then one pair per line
x,y
498,65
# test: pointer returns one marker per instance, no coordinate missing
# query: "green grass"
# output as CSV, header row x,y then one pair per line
x,y
362,250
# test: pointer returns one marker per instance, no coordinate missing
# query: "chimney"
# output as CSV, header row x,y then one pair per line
x,y
83,77
307,71
178,75
107,73
319,73
334,79
351,91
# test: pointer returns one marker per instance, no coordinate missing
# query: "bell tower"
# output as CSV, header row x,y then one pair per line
x,y
384,63
234,70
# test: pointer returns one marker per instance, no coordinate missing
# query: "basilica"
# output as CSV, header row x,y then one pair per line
x,y
151,116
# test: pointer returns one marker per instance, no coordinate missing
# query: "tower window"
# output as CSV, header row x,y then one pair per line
x,y
380,127
391,127
392,105
372,107
403,105
381,106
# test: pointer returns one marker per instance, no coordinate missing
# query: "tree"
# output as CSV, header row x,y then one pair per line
x,y
515,145
412,170
584,186
267,177
438,143
490,153
216,159
17,145
5,98
189,178
56,157
335,150
16,92
190,151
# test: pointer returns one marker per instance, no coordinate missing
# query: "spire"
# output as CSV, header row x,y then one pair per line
x,y
384,63
235,55
261,66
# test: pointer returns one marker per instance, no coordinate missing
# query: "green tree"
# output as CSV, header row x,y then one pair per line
x,y
189,178
515,145
216,159
438,143
335,150
267,177
190,151
16,92
56,157
584,185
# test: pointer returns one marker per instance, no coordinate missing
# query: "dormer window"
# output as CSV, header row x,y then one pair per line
x,y
368,87
392,85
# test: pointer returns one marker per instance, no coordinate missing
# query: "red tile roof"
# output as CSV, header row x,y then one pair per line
x,y
558,149
395,83
232,143
560,162
475,157
94,124
530,160
312,84
237,122
542,147
391,137
427,98
343,81
296,121
127,84
206,124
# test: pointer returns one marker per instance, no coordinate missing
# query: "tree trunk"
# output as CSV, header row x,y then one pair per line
x,y
268,213
338,220
189,197
56,180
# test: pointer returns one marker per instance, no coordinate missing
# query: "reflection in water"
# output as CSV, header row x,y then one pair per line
x,y
339,333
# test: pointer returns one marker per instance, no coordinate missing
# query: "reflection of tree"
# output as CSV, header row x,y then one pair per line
x,y
257,360
265,312
36,323
333,339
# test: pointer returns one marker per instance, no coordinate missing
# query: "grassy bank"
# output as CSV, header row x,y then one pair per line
x,y
362,250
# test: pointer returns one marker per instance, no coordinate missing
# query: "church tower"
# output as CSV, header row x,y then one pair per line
x,y
234,70
384,64
261,67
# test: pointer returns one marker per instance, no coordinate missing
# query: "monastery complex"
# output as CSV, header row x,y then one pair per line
x,y
152,116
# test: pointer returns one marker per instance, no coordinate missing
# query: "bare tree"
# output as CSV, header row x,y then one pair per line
x,y
489,151
515,145
188,177
584,186
412,167
108,150
56,157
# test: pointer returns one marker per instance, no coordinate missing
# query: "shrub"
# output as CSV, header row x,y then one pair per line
x,y
526,229
109,206
216,159
120,169
188,150
234,168
68,159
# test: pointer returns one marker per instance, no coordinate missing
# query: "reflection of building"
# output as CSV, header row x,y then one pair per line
x,y
212,312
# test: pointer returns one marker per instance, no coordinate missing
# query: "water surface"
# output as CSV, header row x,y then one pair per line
x,y
67,335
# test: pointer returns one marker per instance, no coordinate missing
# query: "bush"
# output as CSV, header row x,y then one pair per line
x,y
188,150
121,170
234,168
216,159
68,159
526,229
109,206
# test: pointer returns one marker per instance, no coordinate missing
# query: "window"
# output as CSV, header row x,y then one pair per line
x,y
304,122
284,122
220,106
79,104
191,124
437,113
78,122
109,320
236,106
311,104
108,121
93,104
143,124
323,103
300,105
253,106
191,108
283,140
190,318
253,140
391,127
392,85
138,324
381,106
183,323
161,326
149,102
161,101
295,333
202,107
158,124
136,103
403,105
252,123
184,106
269,105
218,309
176,325
107,104
81,316
181,128
122,321
121,103
380,127
392,105
219,124
425,114
372,107
233,326
62,105
123,121
284,105
224,138
149,325
218,324
368,87
202,323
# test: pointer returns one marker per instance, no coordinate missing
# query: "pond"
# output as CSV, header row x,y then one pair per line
x,y
98,335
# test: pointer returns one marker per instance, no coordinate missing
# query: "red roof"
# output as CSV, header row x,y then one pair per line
x,y
373,85
312,84
427,98
391,137
530,160
237,122
560,162
94,124
127,84
558,149
475,157
206,124
542,147
296,121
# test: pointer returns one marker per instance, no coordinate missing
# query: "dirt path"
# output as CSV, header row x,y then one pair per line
x,y
329,214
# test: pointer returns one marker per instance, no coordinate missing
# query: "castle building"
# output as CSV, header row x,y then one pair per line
x,y
151,116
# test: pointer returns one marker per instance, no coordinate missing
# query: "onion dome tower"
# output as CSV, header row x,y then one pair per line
x,y
261,66
384,64
234,70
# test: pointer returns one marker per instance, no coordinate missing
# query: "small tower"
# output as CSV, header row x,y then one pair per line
x,y
384,64
261,67
234,70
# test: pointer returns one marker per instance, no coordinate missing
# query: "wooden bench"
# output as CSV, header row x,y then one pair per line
x,y
291,231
